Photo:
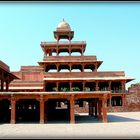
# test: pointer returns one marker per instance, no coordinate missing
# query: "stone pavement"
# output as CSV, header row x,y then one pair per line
x,y
120,125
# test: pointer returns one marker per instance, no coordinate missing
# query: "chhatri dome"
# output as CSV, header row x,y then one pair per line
x,y
63,25
63,31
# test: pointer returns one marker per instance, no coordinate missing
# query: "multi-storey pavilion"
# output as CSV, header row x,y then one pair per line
x,y
66,79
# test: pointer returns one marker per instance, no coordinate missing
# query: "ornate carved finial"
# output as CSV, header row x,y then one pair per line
x,y
63,19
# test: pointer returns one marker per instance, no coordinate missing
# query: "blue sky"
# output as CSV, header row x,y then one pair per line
x,y
111,31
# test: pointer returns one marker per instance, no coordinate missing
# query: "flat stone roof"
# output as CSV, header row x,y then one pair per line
x,y
56,93
18,88
90,78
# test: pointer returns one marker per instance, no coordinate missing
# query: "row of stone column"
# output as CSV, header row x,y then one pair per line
x,y
100,109
123,100
96,86
58,68
69,50
42,111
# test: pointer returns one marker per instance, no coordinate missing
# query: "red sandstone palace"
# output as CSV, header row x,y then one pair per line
x,y
60,82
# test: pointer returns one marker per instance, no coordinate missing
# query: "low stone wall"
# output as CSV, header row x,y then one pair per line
x,y
81,109
133,101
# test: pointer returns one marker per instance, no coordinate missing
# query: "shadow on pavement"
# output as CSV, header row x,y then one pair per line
x,y
111,118
86,119
115,118
81,119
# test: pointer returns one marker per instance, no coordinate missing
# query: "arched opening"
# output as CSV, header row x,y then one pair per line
x,y
89,68
63,52
54,54
76,68
76,52
51,68
48,52
64,68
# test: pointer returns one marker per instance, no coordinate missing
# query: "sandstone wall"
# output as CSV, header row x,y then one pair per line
x,y
132,102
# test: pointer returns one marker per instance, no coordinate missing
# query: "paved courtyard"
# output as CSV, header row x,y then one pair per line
x,y
120,125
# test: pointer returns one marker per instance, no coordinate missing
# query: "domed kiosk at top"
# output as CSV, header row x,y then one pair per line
x,y
63,25
63,31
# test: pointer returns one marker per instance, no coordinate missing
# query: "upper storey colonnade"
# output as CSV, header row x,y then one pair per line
x,y
58,48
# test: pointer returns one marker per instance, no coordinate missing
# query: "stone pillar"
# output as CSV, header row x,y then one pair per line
x,y
44,84
95,108
109,85
70,67
57,46
104,108
124,100
70,85
82,51
99,109
57,67
57,86
45,55
90,108
82,67
50,53
13,110
72,115
97,87
110,102
83,85
57,53
123,86
41,110
70,51
95,67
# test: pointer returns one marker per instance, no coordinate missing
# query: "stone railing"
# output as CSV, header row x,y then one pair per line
x,y
83,74
119,91
71,58
63,43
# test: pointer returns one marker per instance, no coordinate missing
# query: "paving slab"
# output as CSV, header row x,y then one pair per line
x,y
120,125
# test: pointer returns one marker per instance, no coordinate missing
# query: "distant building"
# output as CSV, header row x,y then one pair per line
x,y
62,81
